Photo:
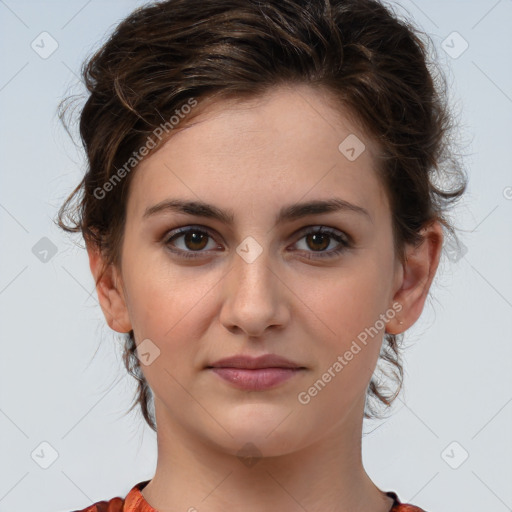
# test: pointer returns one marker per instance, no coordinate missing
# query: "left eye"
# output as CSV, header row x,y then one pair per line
x,y
322,238
195,242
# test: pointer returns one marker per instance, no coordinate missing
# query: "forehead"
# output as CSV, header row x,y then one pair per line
x,y
283,146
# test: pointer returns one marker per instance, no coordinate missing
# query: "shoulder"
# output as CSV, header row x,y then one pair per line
x,y
403,507
134,502
113,505
398,506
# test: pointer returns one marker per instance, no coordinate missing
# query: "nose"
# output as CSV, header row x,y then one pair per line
x,y
255,298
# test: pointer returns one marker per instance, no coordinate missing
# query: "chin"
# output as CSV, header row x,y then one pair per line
x,y
261,429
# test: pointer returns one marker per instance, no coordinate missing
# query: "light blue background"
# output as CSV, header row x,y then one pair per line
x,y
54,388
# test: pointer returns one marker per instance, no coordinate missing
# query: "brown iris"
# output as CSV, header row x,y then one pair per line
x,y
318,237
195,237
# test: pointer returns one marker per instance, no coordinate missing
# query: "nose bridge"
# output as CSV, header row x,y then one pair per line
x,y
253,292
253,274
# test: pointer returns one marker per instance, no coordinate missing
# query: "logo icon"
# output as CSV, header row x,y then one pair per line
x,y
454,455
454,45
147,352
44,250
249,249
351,147
44,45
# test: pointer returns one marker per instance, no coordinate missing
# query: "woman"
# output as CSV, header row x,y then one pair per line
x,y
262,223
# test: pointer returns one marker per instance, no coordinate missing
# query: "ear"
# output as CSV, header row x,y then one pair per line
x,y
417,275
110,291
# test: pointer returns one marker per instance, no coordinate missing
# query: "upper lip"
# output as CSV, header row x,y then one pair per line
x,y
264,361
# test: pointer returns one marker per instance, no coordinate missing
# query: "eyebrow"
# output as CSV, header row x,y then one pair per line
x,y
286,214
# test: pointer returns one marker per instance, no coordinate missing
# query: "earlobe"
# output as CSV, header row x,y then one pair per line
x,y
419,270
110,291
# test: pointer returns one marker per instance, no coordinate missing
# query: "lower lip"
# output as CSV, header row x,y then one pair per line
x,y
257,379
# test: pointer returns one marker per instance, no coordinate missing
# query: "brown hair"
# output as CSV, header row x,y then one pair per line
x,y
359,51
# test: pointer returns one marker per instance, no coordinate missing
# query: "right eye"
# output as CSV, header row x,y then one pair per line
x,y
193,241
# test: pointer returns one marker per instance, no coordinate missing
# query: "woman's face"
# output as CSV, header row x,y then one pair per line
x,y
254,286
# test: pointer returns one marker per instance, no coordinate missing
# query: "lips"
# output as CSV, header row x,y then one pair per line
x,y
255,373
252,363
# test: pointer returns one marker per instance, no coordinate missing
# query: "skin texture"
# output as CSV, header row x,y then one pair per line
x,y
254,157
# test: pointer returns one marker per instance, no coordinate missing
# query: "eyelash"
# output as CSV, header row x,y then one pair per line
x,y
344,241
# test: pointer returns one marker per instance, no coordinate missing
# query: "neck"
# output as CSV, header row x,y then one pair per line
x,y
326,475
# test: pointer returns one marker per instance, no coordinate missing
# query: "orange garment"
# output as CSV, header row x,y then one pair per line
x,y
135,502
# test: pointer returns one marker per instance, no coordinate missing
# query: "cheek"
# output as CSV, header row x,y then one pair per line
x,y
343,303
169,306
346,353
159,294
345,325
